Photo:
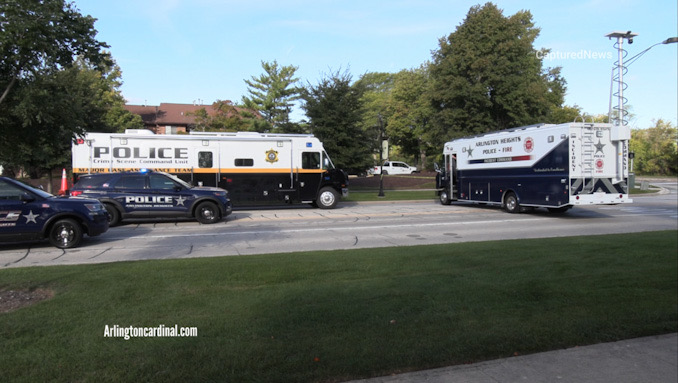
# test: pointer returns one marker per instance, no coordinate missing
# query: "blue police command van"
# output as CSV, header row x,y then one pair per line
x,y
28,214
149,194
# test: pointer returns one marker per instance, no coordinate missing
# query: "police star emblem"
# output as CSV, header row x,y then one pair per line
x,y
30,217
271,156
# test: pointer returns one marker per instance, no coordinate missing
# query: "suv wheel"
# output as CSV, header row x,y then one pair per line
x,y
113,215
207,212
65,233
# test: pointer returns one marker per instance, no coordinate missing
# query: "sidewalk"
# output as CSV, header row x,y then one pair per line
x,y
648,360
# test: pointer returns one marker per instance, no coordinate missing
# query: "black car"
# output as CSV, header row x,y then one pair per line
x,y
27,213
149,194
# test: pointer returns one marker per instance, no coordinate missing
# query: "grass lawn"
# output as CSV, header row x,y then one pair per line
x,y
390,195
339,315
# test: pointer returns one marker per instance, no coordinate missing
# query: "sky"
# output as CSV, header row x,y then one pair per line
x,y
200,51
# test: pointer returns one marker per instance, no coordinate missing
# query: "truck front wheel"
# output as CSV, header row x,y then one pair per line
x,y
445,198
327,198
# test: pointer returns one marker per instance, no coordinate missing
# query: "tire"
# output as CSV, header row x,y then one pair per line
x,y
511,203
327,198
113,215
65,233
385,172
444,198
207,213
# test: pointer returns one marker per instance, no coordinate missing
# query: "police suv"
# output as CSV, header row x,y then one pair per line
x,y
149,194
27,213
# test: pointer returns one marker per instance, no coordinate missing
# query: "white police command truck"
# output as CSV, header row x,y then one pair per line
x,y
551,166
256,168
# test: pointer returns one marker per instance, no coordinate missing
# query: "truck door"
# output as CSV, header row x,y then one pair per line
x,y
451,171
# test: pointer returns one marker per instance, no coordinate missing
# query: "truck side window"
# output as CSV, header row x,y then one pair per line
x,y
244,162
310,160
204,159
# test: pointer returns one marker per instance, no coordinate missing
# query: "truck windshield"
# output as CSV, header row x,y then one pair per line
x,y
327,162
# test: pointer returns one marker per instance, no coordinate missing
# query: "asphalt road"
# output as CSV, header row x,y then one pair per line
x,y
350,226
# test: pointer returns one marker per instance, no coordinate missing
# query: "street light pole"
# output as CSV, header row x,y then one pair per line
x,y
381,155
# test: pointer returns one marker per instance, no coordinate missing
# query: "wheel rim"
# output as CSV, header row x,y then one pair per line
x,y
207,213
511,203
327,198
64,234
443,197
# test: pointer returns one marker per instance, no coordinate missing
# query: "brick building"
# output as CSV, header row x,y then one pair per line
x,y
168,118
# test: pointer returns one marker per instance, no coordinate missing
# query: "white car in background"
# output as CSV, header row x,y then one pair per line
x,y
394,167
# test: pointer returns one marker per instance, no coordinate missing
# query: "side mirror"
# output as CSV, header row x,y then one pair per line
x,y
436,167
26,198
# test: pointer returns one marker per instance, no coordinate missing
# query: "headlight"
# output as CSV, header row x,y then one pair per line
x,y
94,207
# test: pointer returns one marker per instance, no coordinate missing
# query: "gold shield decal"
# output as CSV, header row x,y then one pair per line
x,y
271,156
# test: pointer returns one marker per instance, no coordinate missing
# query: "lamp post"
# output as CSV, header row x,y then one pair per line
x,y
621,69
620,36
381,156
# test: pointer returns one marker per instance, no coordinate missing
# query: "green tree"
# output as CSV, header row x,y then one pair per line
x,y
655,149
334,111
44,115
487,75
375,88
411,114
272,94
43,36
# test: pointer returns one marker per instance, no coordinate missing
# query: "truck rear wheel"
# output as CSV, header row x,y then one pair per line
x,y
511,203
327,198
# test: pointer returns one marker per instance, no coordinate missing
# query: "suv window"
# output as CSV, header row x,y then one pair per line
x,y
8,191
89,182
131,182
158,181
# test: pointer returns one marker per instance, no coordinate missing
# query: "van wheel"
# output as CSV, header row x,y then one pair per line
x,y
113,215
327,198
511,203
207,212
65,233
